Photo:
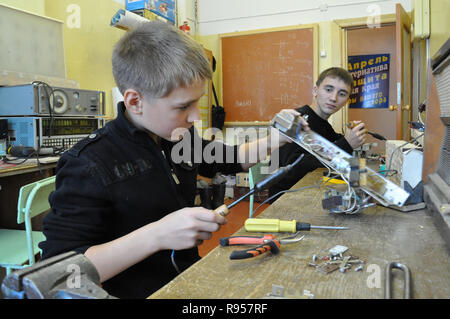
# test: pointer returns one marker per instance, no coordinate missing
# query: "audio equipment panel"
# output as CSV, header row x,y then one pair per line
x,y
58,133
40,99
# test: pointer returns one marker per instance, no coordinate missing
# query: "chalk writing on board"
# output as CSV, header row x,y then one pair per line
x,y
286,99
281,73
244,103
266,72
309,62
292,84
284,58
281,45
303,43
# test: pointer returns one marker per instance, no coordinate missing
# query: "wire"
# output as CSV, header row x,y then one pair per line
x,y
419,115
172,258
397,148
46,85
387,172
350,190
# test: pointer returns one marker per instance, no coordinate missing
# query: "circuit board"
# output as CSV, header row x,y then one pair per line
x,y
333,157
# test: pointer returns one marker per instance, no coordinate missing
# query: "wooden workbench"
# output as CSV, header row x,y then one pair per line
x,y
12,178
379,235
12,169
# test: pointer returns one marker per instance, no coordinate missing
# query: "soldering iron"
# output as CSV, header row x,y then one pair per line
x,y
272,179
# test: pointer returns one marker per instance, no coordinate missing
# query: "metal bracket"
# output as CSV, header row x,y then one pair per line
x,y
388,278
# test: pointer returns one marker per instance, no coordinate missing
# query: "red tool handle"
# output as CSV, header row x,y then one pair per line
x,y
245,240
273,246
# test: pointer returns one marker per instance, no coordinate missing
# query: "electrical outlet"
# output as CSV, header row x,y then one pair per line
x,y
323,53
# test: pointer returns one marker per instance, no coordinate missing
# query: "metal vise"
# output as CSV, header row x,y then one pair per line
x,y
66,276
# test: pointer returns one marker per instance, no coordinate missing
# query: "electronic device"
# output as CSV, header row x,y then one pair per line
x,y
333,157
40,99
61,133
397,153
437,188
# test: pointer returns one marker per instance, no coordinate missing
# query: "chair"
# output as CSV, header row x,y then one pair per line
x,y
256,173
17,247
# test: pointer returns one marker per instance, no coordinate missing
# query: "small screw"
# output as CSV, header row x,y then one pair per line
x,y
359,268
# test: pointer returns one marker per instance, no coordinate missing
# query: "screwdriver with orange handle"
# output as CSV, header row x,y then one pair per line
x,y
224,210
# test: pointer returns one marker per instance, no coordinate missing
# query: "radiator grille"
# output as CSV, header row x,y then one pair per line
x,y
443,87
444,159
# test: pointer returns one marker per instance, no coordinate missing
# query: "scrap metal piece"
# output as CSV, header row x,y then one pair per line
x,y
277,292
359,268
338,249
308,294
291,239
327,268
388,278
343,265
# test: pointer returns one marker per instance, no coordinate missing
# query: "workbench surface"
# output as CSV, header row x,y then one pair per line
x,y
378,235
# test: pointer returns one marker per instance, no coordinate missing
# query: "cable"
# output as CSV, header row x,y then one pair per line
x,y
46,85
350,191
421,108
397,148
172,258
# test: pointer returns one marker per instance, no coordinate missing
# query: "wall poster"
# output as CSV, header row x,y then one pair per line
x,y
371,81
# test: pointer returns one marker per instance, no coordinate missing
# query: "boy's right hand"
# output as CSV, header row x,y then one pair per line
x,y
187,227
356,136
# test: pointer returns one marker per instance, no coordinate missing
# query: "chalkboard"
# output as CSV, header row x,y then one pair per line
x,y
265,72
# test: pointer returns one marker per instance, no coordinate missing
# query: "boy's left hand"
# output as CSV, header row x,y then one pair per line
x,y
283,139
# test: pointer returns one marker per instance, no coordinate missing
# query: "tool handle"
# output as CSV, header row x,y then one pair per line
x,y
377,136
222,210
278,175
303,226
245,240
270,225
273,246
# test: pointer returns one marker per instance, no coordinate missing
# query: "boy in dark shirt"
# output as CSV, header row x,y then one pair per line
x,y
123,197
330,94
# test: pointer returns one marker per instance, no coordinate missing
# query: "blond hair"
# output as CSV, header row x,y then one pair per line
x,y
155,58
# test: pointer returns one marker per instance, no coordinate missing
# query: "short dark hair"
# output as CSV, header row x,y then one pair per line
x,y
155,58
336,72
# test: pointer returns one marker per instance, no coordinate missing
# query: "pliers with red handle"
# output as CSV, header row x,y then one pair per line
x,y
266,243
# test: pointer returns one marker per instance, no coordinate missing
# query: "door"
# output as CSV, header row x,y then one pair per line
x,y
391,37
403,73
363,41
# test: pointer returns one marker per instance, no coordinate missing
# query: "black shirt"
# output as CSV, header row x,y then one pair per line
x,y
289,152
116,181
